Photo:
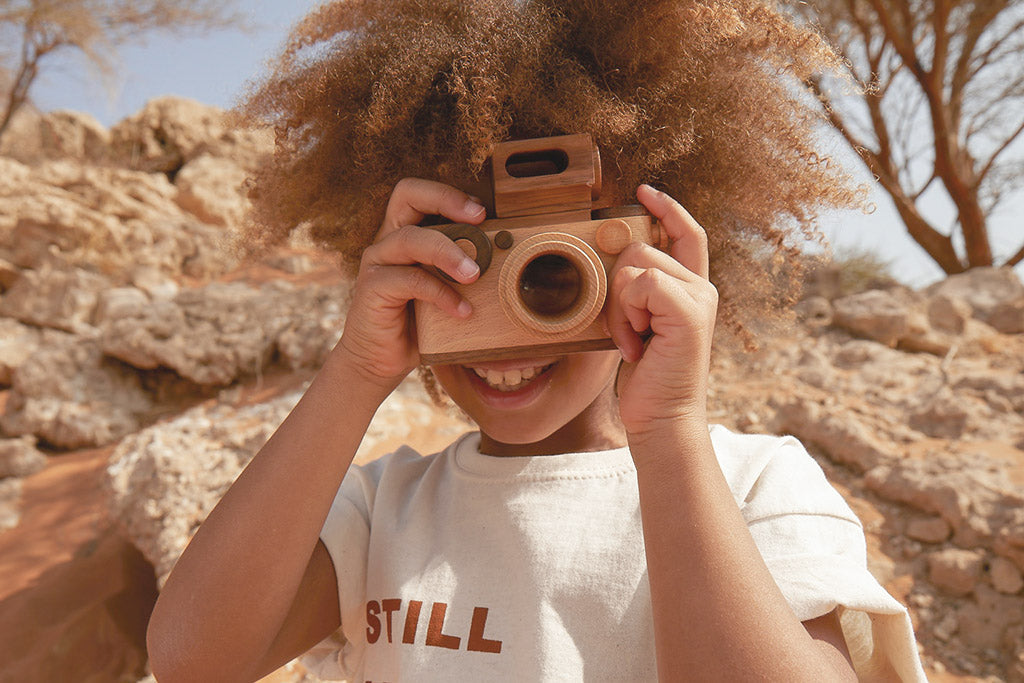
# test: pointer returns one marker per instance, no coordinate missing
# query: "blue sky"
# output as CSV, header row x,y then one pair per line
x,y
214,68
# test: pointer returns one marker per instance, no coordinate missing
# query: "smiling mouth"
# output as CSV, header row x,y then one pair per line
x,y
507,381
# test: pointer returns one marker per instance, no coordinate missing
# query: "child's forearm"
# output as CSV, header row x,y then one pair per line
x,y
718,614
231,590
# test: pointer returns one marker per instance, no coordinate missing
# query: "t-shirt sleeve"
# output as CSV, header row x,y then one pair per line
x,y
346,535
815,549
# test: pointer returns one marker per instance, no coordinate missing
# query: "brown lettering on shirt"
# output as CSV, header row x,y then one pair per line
x,y
412,621
390,606
435,629
436,637
477,642
372,621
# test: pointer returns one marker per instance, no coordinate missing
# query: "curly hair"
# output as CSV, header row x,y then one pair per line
x,y
700,98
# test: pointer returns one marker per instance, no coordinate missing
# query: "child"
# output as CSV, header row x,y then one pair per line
x,y
595,527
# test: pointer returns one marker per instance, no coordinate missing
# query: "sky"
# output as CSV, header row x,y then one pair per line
x,y
214,68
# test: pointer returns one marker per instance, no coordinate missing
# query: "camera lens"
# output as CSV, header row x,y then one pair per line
x,y
550,285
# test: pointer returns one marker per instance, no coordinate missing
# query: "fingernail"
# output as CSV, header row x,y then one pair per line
x,y
467,269
464,309
473,208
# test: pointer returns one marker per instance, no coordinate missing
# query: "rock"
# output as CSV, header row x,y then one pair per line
x,y
944,416
69,396
10,500
881,315
216,334
9,273
948,313
21,140
17,342
63,299
1005,576
843,438
119,302
212,189
954,570
984,289
164,480
154,283
946,629
171,131
112,220
20,457
1008,317
928,529
74,135
985,622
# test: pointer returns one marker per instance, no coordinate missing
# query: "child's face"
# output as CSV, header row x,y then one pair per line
x,y
540,405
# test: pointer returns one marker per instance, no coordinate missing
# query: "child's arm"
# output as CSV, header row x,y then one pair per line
x,y
255,587
718,614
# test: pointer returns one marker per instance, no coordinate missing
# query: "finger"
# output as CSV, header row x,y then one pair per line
x,y
414,198
689,241
396,286
621,322
643,255
411,245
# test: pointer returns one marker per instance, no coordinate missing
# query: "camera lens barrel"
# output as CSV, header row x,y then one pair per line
x,y
553,283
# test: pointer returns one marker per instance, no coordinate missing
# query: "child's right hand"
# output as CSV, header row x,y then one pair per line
x,y
379,336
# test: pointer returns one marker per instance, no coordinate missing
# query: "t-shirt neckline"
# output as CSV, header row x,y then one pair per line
x,y
469,460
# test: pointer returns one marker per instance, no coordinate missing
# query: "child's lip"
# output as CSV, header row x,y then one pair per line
x,y
509,400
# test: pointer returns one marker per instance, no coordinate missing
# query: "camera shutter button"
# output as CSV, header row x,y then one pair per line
x,y
613,236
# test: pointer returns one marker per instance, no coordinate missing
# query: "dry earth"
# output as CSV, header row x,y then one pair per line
x,y
141,366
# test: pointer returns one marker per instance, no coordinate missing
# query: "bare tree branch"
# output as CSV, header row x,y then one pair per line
x,y
944,68
94,29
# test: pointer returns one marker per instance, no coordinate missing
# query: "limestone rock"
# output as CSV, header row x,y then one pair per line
x,y
1008,316
928,529
1006,578
9,273
69,396
63,299
948,313
954,570
112,220
212,189
218,333
17,342
986,621
20,457
164,480
171,131
984,289
74,135
876,314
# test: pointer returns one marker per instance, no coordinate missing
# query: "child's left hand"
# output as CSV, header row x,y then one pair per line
x,y
669,296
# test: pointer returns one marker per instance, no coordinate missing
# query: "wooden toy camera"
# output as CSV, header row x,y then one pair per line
x,y
544,258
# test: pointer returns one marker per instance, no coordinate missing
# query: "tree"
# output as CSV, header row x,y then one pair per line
x,y
39,29
938,104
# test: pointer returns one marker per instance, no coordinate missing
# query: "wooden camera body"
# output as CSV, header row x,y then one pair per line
x,y
544,258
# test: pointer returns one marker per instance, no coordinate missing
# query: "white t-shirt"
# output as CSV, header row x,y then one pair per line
x,y
465,567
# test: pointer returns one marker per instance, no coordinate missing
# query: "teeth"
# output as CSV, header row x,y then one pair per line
x,y
509,380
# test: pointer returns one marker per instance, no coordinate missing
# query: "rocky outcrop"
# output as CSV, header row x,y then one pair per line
x,y
165,479
169,132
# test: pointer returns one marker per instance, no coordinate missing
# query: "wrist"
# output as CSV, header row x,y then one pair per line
x,y
677,439
347,372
